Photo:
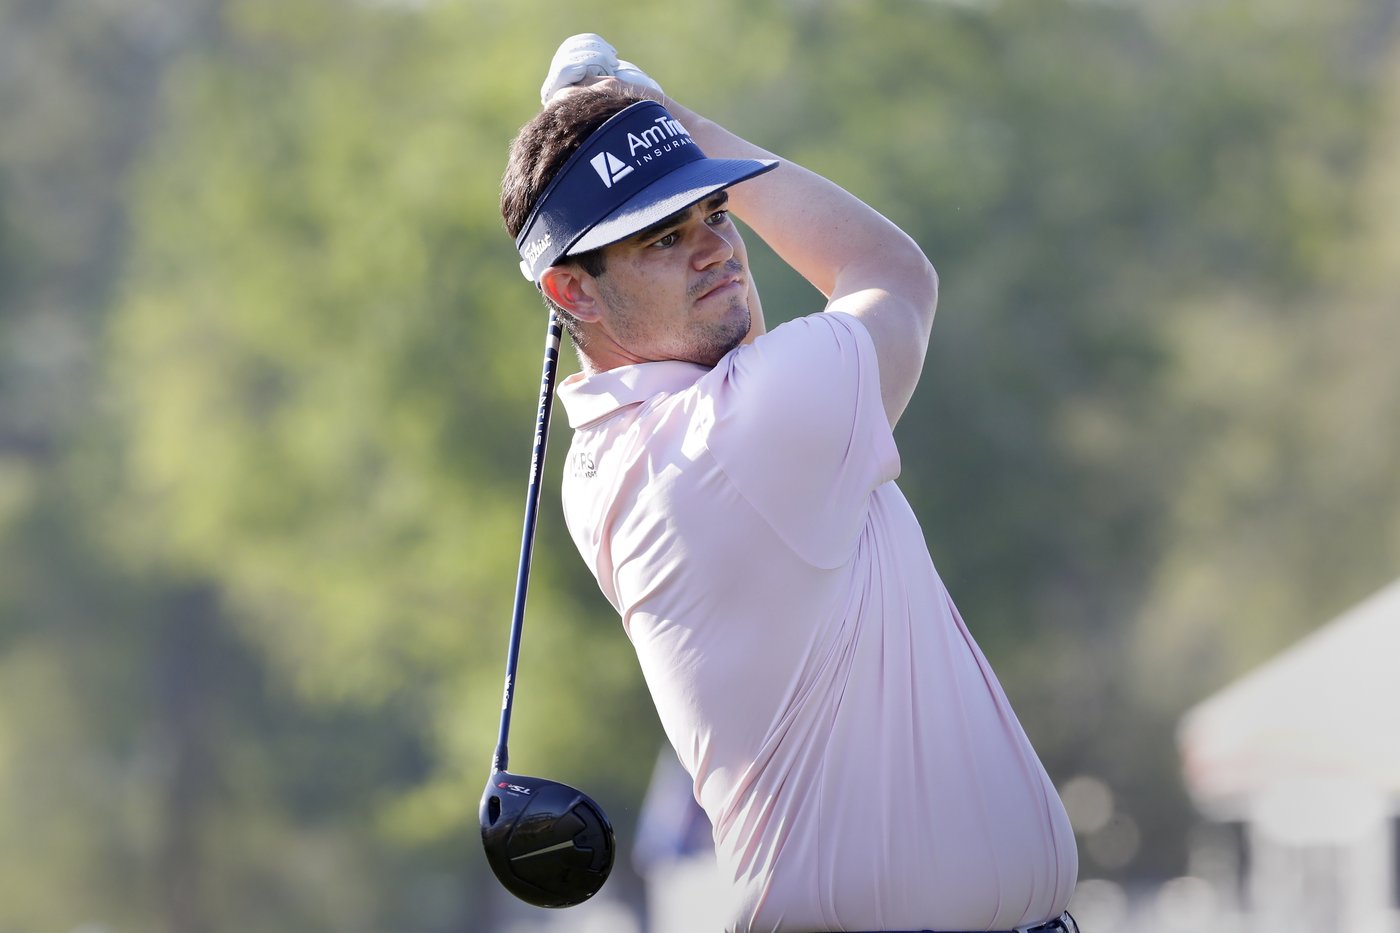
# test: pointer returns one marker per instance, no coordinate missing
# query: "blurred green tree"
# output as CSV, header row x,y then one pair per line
x,y
152,775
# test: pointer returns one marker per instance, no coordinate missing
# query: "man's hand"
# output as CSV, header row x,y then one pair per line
x,y
586,57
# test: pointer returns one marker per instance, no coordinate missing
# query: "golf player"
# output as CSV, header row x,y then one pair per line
x,y
732,490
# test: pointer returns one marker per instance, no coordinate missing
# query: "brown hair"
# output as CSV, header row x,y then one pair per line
x,y
541,148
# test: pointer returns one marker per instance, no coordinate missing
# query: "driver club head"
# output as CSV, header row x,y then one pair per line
x,y
549,844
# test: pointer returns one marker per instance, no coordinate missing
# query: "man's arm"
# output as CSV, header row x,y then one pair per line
x,y
864,264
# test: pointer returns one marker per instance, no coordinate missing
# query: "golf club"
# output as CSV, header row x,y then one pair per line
x,y
549,844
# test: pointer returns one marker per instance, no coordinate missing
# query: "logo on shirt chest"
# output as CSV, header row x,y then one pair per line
x,y
584,467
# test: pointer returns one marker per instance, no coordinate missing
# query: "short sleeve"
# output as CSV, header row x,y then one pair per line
x,y
800,429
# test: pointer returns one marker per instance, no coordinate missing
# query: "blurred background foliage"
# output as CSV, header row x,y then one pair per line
x,y
268,375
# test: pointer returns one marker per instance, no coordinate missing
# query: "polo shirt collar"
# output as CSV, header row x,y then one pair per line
x,y
591,398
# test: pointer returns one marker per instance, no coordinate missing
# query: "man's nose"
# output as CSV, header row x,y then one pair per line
x,y
712,247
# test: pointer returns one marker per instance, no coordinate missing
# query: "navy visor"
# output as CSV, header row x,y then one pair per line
x,y
638,168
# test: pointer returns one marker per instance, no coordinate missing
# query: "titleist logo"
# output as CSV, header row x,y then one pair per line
x,y
535,249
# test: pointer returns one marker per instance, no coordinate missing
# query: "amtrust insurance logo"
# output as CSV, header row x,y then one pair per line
x,y
609,168
665,135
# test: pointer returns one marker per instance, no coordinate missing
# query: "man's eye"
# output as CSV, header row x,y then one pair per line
x,y
718,217
668,240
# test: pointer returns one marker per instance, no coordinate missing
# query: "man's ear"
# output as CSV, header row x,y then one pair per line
x,y
564,285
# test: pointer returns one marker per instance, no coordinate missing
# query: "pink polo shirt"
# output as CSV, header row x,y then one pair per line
x,y
858,760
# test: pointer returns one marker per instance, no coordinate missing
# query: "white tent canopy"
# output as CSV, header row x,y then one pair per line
x,y
1325,712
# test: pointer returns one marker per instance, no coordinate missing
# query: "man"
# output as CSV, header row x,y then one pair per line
x,y
732,491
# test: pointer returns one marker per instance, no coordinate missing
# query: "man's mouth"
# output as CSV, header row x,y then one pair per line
x,y
727,275
723,286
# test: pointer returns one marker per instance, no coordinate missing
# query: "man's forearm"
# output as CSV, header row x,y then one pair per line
x,y
832,238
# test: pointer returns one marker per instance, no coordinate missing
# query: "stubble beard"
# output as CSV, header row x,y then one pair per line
x,y
704,343
725,334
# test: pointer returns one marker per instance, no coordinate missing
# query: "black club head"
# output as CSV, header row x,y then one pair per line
x,y
550,844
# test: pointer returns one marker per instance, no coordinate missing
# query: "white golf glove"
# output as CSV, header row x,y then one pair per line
x,y
589,56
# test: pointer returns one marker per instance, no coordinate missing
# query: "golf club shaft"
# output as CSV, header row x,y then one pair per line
x,y
527,539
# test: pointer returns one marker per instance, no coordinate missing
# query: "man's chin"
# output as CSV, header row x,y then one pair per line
x,y
724,337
